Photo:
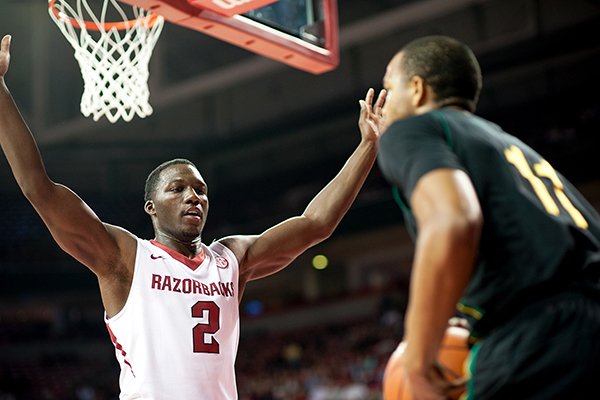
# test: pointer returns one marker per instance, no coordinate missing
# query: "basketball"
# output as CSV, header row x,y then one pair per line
x,y
452,355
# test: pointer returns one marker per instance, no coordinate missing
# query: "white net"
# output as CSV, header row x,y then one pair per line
x,y
113,57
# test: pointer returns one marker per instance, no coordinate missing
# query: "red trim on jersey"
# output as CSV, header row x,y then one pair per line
x,y
119,347
191,263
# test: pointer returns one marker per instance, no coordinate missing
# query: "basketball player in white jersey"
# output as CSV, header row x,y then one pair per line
x,y
171,303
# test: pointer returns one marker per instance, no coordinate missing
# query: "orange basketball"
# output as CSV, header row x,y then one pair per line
x,y
452,355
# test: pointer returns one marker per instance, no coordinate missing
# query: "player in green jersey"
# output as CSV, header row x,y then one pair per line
x,y
500,235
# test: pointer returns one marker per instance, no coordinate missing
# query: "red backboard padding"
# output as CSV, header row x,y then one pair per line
x,y
229,8
253,36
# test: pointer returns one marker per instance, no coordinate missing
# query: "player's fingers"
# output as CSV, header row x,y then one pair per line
x,y
380,100
372,125
363,106
457,387
364,111
458,322
460,382
5,45
369,96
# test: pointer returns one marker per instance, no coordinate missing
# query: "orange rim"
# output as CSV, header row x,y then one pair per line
x,y
149,20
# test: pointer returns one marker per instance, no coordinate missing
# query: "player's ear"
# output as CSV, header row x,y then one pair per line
x,y
418,89
149,207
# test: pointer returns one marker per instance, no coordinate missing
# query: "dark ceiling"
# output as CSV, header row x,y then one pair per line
x,y
267,137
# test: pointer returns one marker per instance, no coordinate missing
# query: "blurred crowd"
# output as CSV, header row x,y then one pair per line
x,y
334,363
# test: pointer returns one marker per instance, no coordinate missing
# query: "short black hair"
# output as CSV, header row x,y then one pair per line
x,y
448,66
152,179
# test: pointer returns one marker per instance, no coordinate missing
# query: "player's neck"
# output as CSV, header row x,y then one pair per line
x,y
455,103
187,248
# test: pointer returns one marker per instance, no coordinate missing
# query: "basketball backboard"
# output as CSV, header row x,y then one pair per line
x,y
299,33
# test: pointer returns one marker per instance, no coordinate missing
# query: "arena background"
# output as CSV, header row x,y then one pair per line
x,y
266,138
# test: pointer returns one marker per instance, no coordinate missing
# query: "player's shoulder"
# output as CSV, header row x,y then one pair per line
x,y
238,245
413,130
428,119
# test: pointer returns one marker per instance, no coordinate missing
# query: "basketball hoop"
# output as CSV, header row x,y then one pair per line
x,y
113,56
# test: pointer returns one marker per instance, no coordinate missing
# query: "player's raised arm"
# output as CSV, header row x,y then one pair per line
x,y
72,223
278,246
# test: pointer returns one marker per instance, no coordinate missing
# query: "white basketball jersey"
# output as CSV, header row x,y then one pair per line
x,y
177,335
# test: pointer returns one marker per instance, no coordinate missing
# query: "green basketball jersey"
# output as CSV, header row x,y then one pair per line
x,y
539,235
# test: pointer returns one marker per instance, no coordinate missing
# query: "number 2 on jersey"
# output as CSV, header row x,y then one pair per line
x,y
210,327
543,169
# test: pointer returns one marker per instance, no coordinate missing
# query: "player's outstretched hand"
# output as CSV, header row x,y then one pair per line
x,y
4,55
371,121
